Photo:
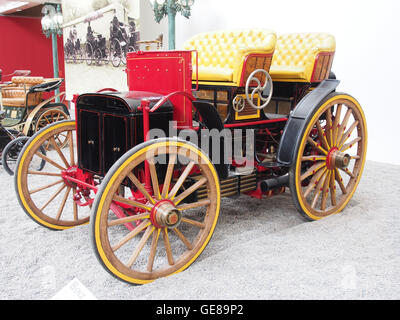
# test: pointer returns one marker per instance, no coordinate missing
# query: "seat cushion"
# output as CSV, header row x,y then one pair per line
x,y
221,54
214,74
296,53
9,122
29,81
16,97
14,92
287,72
14,102
13,97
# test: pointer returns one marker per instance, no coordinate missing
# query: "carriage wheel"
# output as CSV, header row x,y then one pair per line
x,y
106,57
127,49
330,158
48,117
47,196
73,56
6,137
67,56
78,56
89,54
143,232
115,52
11,153
98,56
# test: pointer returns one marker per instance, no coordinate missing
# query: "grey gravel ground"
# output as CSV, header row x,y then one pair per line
x,y
261,249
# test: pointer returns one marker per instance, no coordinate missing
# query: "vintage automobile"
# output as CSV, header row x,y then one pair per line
x,y
25,110
72,48
154,200
73,51
96,51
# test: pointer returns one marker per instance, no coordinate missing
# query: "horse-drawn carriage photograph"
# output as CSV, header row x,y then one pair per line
x,y
72,48
123,39
96,51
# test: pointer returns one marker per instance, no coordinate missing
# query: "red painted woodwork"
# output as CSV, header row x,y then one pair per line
x,y
164,72
253,123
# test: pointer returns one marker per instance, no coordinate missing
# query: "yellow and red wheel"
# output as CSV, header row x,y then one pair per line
x,y
330,157
143,230
48,196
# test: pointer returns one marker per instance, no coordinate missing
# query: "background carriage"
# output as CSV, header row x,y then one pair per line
x,y
27,107
154,203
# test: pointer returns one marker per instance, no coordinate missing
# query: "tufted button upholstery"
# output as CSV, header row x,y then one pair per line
x,y
15,94
14,97
29,81
295,55
221,53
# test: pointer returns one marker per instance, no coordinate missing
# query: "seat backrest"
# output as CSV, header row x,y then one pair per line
x,y
310,52
14,92
236,51
19,89
27,81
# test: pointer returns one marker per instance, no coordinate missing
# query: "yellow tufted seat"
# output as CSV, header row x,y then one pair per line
x,y
303,57
224,55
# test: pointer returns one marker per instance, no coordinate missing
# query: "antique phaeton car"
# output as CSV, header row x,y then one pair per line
x,y
72,50
154,201
27,106
123,39
96,50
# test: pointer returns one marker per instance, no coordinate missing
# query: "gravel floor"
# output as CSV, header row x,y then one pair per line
x,y
261,249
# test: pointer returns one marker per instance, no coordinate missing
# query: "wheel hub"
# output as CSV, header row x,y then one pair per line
x,y
69,172
165,215
337,159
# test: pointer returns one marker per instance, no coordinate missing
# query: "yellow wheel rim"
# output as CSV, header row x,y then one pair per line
x,y
107,252
324,179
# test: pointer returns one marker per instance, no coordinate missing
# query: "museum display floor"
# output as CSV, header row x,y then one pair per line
x,y
261,249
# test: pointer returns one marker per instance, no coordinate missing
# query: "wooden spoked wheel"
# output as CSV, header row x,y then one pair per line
x,y
48,117
89,56
115,52
142,232
47,196
330,157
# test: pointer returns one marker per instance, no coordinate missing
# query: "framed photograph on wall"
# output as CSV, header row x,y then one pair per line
x,y
98,34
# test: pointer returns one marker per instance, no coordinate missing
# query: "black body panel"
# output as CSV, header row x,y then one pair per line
x,y
89,131
212,120
108,125
298,120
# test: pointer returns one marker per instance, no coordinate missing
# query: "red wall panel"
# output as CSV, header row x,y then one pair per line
x,y
24,46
